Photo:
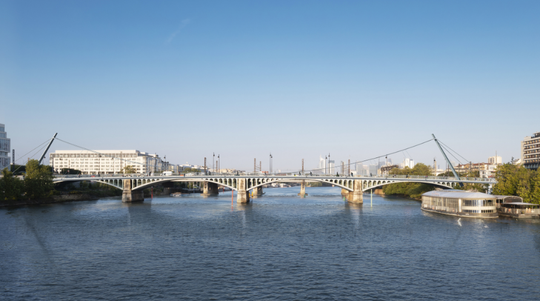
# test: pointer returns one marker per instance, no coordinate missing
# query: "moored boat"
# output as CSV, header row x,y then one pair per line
x,y
460,203
514,207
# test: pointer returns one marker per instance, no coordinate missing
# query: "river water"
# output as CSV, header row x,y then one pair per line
x,y
280,247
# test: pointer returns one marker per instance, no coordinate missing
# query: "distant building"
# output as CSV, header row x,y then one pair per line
x,y
107,161
386,169
5,148
495,160
332,167
530,151
322,165
407,163
486,170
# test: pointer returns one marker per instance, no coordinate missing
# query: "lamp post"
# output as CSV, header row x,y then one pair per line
x,y
213,160
219,163
329,171
270,164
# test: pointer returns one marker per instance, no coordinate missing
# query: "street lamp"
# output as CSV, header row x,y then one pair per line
x,y
270,164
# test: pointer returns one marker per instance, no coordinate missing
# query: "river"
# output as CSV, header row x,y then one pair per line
x,y
280,247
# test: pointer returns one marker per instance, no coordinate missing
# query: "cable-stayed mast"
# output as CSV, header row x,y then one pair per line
x,y
47,148
447,161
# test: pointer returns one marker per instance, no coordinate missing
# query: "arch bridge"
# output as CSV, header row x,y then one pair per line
x,y
352,187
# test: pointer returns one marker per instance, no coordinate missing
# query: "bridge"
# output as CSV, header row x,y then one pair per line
x,y
352,188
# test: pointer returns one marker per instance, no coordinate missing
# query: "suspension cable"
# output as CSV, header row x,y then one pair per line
x,y
388,154
454,151
41,145
451,154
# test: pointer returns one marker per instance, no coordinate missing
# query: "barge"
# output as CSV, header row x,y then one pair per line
x,y
514,207
460,203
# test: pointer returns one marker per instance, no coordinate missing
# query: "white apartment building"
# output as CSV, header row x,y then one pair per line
x,y
5,148
530,151
107,161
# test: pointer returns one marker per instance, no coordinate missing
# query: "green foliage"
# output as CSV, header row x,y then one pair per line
x,y
11,188
18,169
517,180
413,190
38,182
419,169
70,171
189,169
128,169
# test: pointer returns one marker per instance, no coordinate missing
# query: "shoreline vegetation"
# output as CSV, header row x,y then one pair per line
x,y
37,186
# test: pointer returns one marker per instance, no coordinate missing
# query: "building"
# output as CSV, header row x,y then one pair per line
x,y
486,170
5,148
331,167
495,160
407,163
530,151
322,165
107,161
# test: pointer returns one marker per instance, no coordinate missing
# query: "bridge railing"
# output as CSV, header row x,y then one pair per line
x,y
300,175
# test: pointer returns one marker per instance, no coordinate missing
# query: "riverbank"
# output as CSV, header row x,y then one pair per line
x,y
52,200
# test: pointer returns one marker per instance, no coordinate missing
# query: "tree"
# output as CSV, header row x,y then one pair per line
x,y
129,169
11,188
38,181
517,180
414,190
70,171
535,194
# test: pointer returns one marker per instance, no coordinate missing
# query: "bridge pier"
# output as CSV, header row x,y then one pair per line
x,y
210,188
242,195
355,196
303,193
129,195
257,192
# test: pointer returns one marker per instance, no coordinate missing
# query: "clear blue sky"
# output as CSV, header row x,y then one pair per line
x,y
299,79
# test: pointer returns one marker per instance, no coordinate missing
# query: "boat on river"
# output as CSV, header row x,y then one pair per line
x,y
514,207
460,203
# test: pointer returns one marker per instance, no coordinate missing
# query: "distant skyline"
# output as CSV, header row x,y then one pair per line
x,y
297,79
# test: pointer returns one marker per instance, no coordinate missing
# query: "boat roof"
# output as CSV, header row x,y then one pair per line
x,y
459,194
510,198
520,204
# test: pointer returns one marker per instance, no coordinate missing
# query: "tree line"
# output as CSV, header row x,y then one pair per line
x,y
518,180
36,184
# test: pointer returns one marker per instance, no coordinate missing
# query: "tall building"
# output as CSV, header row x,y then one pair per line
x,y
107,161
322,165
331,167
530,151
407,163
5,148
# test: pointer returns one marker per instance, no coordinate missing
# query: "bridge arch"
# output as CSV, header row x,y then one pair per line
x,y
372,184
345,184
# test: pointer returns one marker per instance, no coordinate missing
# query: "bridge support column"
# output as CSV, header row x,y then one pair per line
x,y
210,189
257,192
129,195
303,193
242,195
355,196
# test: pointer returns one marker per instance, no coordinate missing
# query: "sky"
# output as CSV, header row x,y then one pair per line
x,y
297,79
